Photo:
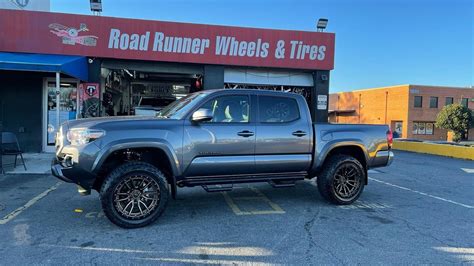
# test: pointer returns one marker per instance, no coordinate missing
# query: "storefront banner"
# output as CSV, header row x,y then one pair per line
x,y
107,37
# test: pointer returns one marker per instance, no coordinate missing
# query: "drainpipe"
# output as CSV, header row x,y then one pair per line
x,y
386,104
58,98
360,96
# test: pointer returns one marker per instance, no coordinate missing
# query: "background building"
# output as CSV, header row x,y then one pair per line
x,y
410,110
57,67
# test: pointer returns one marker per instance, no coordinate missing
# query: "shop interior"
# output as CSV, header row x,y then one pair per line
x,y
132,92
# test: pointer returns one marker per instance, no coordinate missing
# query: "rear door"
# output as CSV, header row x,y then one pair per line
x,y
283,142
226,144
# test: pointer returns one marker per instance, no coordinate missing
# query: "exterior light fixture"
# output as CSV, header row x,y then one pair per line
x,y
96,6
322,23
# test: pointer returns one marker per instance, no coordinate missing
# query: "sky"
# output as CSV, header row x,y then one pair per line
x,y
378,42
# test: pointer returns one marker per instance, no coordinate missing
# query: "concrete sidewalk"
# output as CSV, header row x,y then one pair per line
x,y
36,163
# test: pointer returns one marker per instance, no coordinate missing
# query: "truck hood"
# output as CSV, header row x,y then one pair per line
x,y
106,121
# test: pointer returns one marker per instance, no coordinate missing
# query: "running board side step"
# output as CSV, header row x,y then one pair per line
x,y
218,188
282,183
236,179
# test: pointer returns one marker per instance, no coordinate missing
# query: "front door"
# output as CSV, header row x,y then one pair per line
x,y
283,143
226,144
65,110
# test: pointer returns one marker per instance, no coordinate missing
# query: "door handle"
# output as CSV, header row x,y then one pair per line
x,y
245,133
299,133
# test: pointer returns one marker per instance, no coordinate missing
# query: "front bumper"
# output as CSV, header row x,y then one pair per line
x,y
57,171
73,174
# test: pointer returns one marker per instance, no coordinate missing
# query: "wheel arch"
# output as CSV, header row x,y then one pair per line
x,y
157,154
352,149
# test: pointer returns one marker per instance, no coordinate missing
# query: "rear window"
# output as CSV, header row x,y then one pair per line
x,y
277,109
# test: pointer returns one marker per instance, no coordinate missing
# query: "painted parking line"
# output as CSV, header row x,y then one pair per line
x,y
275,209
30,203
365,205
422,193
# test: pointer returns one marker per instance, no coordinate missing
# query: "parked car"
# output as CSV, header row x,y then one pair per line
x,y
215,139
150,106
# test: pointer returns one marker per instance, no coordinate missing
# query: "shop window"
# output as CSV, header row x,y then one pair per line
x,y
449,100
433,102
277,109
397,129
418,101
464,102
423,128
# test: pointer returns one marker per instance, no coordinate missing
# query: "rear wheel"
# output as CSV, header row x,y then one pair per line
x,y
134,195
342,180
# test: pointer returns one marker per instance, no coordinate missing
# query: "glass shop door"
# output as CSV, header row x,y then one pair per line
x,y
68,100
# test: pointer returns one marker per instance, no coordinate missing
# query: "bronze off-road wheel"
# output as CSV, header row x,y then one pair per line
x,y
342,180
134,195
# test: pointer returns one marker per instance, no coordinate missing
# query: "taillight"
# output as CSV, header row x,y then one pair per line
x,y
389,138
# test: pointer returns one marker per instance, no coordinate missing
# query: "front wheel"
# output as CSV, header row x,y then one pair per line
x,y
134,195
342,180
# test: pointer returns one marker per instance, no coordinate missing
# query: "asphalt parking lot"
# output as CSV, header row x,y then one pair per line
x,y
418,210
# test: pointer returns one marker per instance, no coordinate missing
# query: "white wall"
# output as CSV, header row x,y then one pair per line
x,y
264,77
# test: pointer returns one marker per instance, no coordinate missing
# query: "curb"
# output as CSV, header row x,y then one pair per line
x,y
436,149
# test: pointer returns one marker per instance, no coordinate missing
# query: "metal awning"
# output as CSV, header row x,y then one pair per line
x,y
75,66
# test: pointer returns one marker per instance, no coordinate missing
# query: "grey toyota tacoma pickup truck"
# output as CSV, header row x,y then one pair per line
x,y
215,139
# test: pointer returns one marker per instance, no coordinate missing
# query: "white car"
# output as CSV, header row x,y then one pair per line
x,y
150,106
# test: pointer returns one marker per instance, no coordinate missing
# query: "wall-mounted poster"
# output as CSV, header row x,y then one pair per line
x,y
415,128
429,129
89,101
399,128
421,128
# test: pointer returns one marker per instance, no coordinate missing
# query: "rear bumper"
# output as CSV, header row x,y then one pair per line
x,y
390,157
382,158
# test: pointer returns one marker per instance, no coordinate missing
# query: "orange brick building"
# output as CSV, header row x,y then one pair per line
x,y
410,110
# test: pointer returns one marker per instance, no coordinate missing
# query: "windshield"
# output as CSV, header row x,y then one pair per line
x,y
178,109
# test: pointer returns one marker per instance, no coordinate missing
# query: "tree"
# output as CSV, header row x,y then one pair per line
x,y
455,118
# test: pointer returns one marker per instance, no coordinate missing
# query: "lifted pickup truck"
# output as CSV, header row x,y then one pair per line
x,y
215,139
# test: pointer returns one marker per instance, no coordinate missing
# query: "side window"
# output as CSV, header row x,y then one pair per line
x,y
229,109
433,102
277,109
449,100
418,101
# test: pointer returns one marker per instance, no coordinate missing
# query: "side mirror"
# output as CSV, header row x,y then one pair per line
x,y
202,115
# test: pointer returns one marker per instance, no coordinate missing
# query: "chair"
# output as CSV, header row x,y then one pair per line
x,y
10,146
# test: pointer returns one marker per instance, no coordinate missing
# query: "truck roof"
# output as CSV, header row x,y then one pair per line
x,y
251,91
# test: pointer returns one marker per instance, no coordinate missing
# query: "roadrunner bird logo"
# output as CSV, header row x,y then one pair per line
x,y
71,35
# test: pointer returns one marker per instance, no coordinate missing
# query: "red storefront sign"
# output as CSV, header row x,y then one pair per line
x,y
107,37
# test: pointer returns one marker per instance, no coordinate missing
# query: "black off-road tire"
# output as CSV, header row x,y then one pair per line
x,y
326,179
113,180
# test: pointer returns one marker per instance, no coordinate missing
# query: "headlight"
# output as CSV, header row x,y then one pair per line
x,y
81,136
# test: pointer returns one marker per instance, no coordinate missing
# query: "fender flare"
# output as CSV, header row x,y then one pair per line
x,y
107,150
330,146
